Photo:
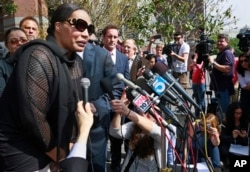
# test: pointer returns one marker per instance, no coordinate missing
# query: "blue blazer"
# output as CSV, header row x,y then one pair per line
x,y
122,65
97,64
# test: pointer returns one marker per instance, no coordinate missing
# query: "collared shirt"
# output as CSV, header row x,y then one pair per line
x,y
113,54
80,54
130,62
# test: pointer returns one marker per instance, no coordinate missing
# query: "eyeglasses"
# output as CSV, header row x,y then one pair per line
x,y
81,25
16,41
241,61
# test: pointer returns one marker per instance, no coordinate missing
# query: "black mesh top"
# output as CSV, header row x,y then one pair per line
x,y
29,108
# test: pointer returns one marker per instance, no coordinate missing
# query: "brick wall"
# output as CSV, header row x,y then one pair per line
x,y
35,8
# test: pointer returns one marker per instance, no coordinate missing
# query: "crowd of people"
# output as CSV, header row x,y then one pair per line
x,y
45,126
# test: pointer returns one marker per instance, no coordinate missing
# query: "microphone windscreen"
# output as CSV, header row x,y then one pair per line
x,y
147,74
129,94
107,87
85,82
119,76
142,82
160,68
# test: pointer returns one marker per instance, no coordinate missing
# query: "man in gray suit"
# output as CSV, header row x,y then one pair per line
x,y
110,35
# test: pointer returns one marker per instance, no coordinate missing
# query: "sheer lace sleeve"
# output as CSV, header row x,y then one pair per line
x,y
41,83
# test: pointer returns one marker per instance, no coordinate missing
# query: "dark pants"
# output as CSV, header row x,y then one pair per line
x,y
97,146
116,148
116,151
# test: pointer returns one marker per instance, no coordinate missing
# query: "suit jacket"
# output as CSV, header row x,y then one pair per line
x,y
122,65
97,64
74,164
137,63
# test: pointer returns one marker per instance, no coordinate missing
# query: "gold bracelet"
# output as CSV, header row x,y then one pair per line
x,y
128,113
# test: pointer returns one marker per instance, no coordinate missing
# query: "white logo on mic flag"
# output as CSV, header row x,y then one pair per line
x,y
159,85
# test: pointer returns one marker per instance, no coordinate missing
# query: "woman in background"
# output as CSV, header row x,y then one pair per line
x,y
198,84
234,131
206,133
13,39
244,81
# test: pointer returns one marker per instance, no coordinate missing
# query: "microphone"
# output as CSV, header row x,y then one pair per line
x,y
85,83
161,104
130,84
162,88
144,104
107,87
158,68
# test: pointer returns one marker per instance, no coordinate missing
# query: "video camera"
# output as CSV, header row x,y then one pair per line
x,y
167,49
244,41
203,49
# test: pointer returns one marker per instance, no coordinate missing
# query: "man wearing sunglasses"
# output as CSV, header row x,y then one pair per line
x,y
222,72
180,59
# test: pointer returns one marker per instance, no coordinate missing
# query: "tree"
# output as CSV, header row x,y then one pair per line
x,y
9,8
142,18
103,12
167,16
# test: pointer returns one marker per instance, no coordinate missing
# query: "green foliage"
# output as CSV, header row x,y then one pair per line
x,y
143,18
167,17
9,8
234,43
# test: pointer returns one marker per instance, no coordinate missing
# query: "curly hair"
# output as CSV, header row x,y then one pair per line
x,y
141,143
230,121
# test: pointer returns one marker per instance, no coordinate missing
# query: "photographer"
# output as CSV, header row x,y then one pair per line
x,y
180,59
222,72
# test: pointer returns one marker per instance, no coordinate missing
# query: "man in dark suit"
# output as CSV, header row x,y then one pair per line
x,y
97,65
110,35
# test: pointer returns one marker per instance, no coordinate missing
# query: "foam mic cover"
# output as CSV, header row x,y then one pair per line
x,y
85,83
142,82
129,94
159,68
107,87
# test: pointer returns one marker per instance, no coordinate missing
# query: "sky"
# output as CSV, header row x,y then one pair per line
x,y
241,11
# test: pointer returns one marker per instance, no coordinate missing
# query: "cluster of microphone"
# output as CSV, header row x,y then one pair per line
x,y
159,89
151,93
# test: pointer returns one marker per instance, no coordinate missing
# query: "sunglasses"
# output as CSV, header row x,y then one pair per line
x,y
177,38
16,41
241,61
81,25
